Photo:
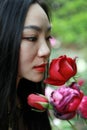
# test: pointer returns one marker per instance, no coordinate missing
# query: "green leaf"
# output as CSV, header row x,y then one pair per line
x,y
44,104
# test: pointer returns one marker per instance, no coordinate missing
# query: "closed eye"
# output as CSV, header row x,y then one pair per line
x,y
31,39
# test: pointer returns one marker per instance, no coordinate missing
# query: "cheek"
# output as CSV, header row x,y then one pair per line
x,y
27,52
25,57
24,53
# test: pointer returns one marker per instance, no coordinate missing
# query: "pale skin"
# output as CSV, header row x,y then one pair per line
x,y
35,45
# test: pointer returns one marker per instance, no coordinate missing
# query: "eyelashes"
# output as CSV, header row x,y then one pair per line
x,y
31,39
34,38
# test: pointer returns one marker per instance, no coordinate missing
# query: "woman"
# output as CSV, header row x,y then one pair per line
x,y
24,52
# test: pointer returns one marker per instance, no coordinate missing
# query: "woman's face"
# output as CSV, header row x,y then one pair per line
x,y
35,46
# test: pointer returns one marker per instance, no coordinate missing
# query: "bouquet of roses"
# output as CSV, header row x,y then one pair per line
x,y
68,100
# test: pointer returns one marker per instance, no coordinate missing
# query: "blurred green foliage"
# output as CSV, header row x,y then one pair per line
x,y
69,21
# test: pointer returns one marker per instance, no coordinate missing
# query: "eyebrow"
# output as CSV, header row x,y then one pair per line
x,y
37,28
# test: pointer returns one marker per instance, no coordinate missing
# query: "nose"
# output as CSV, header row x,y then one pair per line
x,y
44,50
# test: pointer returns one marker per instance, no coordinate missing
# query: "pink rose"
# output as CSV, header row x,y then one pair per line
x,y
82,109
39,102
81,81
65,101
61,70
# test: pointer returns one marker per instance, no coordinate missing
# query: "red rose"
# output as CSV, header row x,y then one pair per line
x,y
39,102
61,70
65,101
82,109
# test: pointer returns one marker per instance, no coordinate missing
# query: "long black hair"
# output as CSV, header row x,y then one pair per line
x,y
12,17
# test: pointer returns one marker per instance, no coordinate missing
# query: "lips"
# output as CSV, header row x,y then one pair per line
x,y
40,68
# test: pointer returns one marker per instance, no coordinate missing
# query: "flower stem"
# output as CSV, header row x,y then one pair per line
x,y
74,128
74,79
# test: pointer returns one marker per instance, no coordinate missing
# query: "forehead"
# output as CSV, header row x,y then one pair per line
x,y
36,16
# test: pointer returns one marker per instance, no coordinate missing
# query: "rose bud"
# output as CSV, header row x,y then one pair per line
x,y
82,109
65,101
39,102
61,70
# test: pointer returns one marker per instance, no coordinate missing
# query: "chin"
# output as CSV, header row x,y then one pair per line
x,y
35,79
